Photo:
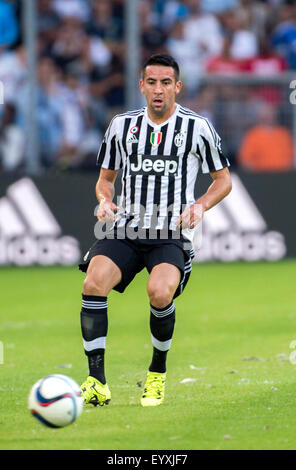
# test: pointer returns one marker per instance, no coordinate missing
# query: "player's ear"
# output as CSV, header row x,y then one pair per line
x,y
141,84
179,85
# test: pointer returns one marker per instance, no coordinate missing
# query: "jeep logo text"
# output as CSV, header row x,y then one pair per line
x,y
144,164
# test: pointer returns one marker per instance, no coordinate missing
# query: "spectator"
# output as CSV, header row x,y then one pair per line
x,y
267,146
219,6
108,89
78,9
13,71
72,120
95,51
267,62
93,61
255,15
170,12
104,23
153,40
12,141
73,45
9,29
68,43
244,42
48,20
49,110
186,54
204,32
204,102
88,147
224,63
235,113
153,36
283,37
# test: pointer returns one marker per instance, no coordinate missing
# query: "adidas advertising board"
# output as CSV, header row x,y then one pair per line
x,y
235,230
29,231
49,219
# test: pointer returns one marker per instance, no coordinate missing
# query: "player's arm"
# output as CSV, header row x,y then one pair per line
x,y
105,191
218,190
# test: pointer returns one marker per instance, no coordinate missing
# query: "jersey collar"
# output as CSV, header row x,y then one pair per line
x,y
153,124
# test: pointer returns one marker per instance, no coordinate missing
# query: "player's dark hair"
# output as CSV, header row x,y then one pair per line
x,y
165,60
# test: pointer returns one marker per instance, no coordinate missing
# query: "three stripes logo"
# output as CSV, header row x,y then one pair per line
x,y
29,232
235,230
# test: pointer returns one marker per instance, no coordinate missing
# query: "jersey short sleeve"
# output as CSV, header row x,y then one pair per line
x,y
109,156
209,149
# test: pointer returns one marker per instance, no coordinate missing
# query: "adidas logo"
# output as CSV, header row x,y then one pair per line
x,y
29,232
235,230
133,139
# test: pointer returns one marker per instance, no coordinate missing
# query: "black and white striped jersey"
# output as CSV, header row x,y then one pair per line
x,y
159,163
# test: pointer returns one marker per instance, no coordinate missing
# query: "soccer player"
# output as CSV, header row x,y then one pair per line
x,y
160,149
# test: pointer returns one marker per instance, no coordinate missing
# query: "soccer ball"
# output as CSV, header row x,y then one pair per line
x,y
56,400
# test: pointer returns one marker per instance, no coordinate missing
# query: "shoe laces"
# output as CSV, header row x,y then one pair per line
x,y
154,386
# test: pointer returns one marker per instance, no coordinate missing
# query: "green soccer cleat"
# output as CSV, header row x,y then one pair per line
x,y
153,394
95,393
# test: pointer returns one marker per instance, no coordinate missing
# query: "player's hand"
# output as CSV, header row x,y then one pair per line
x,y
191,216
106,211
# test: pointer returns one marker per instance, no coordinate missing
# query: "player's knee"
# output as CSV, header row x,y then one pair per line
x,y
94,286
160,296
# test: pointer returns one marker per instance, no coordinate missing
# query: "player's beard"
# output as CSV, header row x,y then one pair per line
x,y
159,111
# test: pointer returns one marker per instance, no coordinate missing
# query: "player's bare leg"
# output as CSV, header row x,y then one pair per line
x,y
162,284
102,275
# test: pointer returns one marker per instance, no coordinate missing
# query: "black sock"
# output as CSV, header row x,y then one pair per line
x,y
96,364
162,322
94,327
158,362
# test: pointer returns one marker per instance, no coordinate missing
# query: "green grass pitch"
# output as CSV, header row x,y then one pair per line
x,y
235,324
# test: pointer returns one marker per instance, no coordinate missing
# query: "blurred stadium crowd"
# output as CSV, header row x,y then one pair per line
x,y
233,55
